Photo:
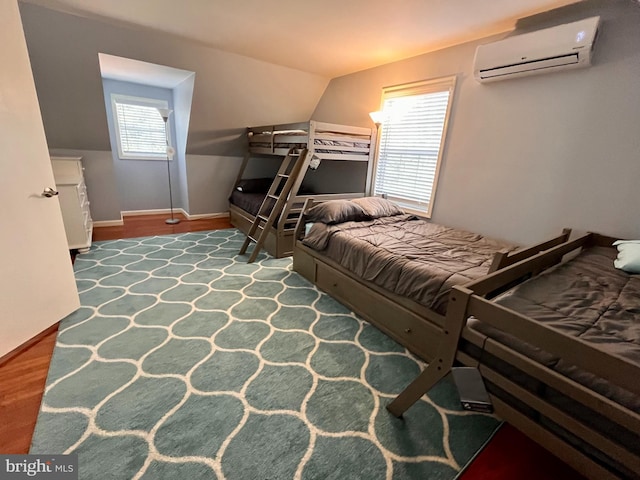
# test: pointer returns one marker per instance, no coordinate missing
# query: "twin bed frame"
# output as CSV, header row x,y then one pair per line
x,y
411,324
554,410
323,142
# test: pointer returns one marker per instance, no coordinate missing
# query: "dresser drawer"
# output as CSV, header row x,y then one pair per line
x,y
74,201
405,326
67,170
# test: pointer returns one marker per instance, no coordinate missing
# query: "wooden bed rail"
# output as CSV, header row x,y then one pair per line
x,y
504,259
297,233
461,297
574,350
282,126
527,267
312,126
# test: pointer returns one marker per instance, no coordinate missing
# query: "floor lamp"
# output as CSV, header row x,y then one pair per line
x,y
164,113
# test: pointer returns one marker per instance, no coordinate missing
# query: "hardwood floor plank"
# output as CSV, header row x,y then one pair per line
x,y
22,381
147,225
23,376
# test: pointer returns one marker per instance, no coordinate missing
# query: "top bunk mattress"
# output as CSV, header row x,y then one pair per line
x,y
585,297
407,256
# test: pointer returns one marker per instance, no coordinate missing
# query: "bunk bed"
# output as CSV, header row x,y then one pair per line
x,y
312,143
395,270
559,353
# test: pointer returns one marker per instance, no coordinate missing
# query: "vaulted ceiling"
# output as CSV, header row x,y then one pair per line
x,y
327,37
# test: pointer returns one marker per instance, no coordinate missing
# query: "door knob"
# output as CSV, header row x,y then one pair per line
x,y
49,192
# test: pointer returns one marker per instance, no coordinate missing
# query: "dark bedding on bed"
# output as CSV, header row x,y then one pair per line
x,y
406,255
250,202
587,298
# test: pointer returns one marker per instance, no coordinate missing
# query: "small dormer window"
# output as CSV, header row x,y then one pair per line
x,y
140,130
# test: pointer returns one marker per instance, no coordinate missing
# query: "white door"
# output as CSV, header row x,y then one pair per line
x,y
37,287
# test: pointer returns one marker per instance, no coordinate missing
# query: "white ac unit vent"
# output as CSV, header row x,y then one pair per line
x,y
552,49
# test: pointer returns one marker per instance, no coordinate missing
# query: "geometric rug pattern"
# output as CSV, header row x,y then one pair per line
x,y
185,362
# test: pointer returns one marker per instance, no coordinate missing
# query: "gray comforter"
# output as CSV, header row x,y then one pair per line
x,y
407,256
586,298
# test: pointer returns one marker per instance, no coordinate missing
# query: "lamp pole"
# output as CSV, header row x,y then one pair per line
x,y
165,112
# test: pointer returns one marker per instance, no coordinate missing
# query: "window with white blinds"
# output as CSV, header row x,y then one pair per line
x,y
411,142
140,129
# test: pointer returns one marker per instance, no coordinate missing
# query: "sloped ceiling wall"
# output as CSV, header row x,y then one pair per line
x,y
230,93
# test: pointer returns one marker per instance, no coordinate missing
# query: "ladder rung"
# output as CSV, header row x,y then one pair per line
x,y
283,175
263,218
252,239
275,197
289,229
295,210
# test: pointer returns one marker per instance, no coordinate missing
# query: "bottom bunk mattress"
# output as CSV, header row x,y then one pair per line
x,y
250,193
250,202
585,297
407,255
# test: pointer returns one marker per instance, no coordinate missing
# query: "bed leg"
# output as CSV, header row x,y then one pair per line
x,y
441,365
421,385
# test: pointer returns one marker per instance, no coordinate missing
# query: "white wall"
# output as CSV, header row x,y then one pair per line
x,y
526,157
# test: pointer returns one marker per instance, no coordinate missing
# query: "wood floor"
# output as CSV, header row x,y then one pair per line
x,y
147,225
23,376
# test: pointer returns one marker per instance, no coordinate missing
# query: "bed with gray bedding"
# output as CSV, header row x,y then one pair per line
x,y
395,270
406,255
559,353
586,298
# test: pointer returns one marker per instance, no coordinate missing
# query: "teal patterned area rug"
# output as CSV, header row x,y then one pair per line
x,y
185,362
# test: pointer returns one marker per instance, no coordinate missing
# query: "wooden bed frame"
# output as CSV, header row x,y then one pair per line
x,y
279,242
509,397
411,324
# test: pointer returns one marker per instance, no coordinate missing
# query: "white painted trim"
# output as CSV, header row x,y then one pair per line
x,y
206,215
155,211
167,211
108,223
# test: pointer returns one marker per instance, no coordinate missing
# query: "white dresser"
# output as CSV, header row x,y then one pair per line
x,y
74,201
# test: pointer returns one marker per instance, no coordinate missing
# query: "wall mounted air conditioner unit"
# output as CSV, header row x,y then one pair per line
x,y
549,50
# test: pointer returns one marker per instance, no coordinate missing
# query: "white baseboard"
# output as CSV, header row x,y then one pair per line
x,y
108,223
206,215
155,211
167,211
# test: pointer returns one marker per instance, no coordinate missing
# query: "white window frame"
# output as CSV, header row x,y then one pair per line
x,y
145,102
416,88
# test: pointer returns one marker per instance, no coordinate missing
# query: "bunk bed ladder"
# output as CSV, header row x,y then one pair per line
x,y
279,191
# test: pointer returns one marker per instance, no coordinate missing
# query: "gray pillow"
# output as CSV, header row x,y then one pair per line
x,y
336,211
376,207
